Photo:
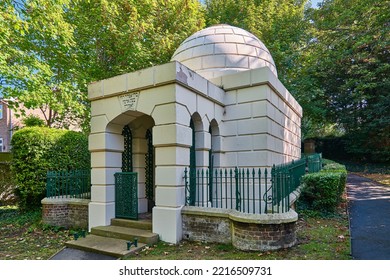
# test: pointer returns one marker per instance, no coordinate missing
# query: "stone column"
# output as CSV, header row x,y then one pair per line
x,y
139,151
172,148
202,149
106,159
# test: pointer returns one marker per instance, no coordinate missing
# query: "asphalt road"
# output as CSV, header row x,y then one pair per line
x,y
369,214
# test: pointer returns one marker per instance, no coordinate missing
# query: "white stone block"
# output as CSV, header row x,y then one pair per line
x,y
225,48
140,145
215,93
106,159
138,161
217,143
247,50
103,193
228,128
239,111
167,223
254,159
202,158
190,78
253,126
142,205
149,98
100,214
205,108
202,140
254,93
105,142
115,85
230,159
230,98
238,62
103,176
169,175
95,90
171,135
262,142
186,98
238,143
172,156
170,196
99,124
203,50
140,79
238,80
261,109
165,73
219,38
215,61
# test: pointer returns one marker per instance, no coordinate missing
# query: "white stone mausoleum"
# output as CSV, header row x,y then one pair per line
x,y
219,100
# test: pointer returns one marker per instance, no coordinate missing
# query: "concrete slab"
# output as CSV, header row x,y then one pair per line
x,y
104,245
75,254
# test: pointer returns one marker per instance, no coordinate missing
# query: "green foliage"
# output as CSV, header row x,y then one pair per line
x,y
38,149
32,120
38,66
51,50
346,74
322,191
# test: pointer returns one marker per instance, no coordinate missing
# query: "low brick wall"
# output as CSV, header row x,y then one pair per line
x,y
248,232
67,213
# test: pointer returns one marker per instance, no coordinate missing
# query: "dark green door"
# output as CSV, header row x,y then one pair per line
x,y
126,195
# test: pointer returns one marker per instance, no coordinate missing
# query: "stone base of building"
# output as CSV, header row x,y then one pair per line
x,y
67,213
248,232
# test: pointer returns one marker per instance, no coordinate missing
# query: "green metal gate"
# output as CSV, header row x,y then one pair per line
x,y
126,195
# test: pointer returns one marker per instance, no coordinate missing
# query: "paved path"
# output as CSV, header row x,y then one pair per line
x,y
369,213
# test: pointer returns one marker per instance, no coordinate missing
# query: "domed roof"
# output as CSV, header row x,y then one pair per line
x,y
223,49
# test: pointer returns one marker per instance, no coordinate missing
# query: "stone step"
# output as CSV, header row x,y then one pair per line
x,y
104,245
143,236
140,224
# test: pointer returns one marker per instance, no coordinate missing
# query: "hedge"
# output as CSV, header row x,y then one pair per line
x,y
35,150
322,191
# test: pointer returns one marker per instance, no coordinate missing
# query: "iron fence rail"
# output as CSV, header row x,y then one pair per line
x,y
248,190
69,184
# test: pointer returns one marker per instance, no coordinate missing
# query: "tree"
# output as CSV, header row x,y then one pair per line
x,y
120,36
38,68
51,49
351,72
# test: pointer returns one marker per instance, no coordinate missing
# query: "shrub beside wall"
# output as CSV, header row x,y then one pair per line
x,y
36,150
322,191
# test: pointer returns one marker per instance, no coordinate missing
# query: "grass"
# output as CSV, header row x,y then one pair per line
x,y
318,239
25,237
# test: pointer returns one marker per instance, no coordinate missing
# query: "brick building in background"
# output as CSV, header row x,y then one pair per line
x,y
9,121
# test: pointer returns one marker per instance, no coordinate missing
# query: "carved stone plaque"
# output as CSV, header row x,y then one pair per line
x,y
129,101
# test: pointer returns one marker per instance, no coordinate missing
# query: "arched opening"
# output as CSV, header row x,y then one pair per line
x,y
134,186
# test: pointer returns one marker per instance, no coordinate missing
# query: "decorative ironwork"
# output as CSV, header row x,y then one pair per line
x,y
149,167
192,187
243,189
69,184
126,195
127,155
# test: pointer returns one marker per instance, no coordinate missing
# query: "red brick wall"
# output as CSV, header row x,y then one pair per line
x,y
248,235
65,213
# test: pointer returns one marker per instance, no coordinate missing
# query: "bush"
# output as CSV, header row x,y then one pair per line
x,y
322,191
35,151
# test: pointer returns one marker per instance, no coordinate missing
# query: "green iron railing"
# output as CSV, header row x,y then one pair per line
x,y
69,184
255,190
314,163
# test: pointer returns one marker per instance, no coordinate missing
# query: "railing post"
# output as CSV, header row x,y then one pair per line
x,y
238,194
